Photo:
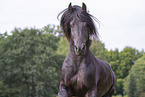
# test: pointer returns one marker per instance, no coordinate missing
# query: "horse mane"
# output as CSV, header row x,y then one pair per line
x,y
82,15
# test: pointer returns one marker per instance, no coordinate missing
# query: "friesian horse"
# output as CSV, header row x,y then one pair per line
x,y
82,74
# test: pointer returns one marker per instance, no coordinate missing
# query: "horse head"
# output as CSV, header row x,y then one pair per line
x,y
78,27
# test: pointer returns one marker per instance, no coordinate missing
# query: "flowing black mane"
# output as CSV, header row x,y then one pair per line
x,y
82,15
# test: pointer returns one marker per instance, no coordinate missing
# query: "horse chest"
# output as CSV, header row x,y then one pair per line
x,y
83,78
79,77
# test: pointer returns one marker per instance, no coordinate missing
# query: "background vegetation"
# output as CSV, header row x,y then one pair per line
x,y
31,60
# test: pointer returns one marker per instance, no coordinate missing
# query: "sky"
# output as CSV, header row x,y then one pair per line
x,y
122,21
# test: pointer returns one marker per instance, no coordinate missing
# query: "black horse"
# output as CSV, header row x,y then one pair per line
x,y
82,74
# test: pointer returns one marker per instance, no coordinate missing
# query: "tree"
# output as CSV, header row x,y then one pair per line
x,y
127,58
121,62
135,82
119,87
98,49
63,46
52,29
29,64
8,92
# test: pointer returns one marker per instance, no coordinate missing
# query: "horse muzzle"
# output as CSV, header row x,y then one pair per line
x,y
80,50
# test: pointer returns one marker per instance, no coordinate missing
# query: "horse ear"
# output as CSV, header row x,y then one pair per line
x,y
70,8
84,7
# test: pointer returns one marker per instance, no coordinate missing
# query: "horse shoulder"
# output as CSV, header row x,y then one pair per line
x,y
68,70
105,76
103,67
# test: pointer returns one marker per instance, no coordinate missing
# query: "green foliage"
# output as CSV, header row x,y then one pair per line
x,y
125,61
8,92
117,96
119,86
63,47
29,65
135,82
98,49
3,38
127,58
52,29
31,60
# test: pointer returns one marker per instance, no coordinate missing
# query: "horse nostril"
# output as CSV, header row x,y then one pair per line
x,y
83,48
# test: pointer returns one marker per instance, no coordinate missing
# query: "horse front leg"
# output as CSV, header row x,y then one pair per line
x,y
63,93
63,90
92,93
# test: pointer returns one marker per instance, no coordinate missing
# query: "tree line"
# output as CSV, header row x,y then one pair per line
x,y
31,60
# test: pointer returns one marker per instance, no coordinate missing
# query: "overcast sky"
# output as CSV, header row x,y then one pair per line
x,y
123,21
